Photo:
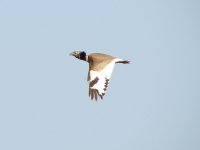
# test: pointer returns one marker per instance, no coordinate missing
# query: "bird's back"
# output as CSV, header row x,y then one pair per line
x,y
98,61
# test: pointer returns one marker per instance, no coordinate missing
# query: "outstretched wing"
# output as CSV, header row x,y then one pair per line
x,y
99,80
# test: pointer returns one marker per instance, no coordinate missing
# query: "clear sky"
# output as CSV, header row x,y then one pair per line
x,y
151,104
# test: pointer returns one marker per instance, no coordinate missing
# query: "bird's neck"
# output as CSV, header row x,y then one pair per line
x,y
84,58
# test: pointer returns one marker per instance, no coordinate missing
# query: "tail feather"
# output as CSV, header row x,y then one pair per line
x,y
122,61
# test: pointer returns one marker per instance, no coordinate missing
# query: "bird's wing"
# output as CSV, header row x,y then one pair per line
x,y
99,80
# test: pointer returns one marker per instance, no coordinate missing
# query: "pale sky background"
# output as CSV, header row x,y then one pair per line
x,y
151,104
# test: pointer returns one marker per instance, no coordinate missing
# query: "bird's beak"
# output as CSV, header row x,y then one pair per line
x,y
72,54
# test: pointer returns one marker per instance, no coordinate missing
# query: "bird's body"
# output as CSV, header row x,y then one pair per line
x,y
100,70
98,61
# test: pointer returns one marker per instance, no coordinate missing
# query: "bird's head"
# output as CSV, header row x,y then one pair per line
x,y
79,54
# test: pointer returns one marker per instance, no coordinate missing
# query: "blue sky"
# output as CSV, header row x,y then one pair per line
x,y
153,103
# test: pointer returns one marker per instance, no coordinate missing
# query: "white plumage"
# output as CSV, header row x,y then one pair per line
x,y
103,79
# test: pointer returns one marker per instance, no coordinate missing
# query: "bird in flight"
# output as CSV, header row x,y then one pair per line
x,y
100,69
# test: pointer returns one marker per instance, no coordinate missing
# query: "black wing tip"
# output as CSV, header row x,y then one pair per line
x,y
94,94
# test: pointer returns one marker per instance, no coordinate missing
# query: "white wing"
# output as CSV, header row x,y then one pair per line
x,y
99,81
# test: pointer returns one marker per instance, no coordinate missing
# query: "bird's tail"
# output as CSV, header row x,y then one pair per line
x,y
122,61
